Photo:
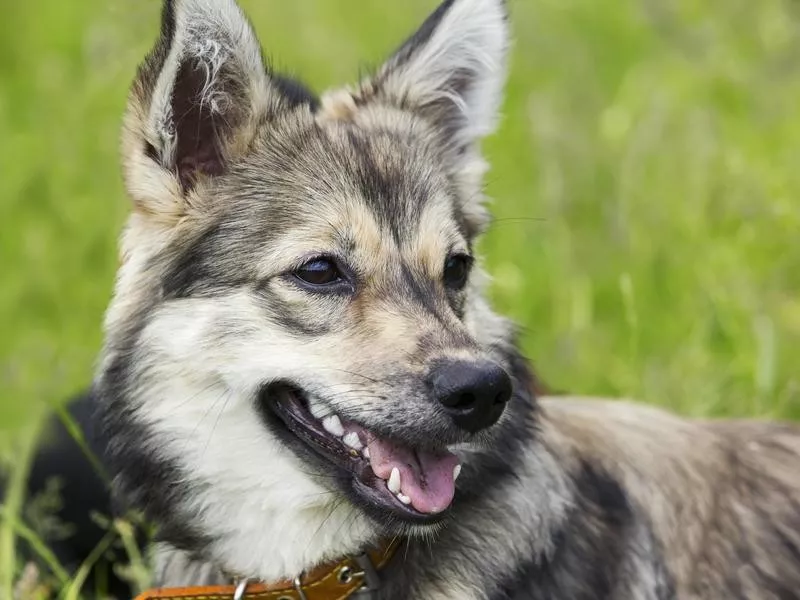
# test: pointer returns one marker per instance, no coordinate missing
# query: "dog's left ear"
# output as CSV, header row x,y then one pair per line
x,y
451,72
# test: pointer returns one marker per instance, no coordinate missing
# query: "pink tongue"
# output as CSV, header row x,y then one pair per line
x,y
425,477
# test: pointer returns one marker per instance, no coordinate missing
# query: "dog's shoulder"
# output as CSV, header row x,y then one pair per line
x,y
625,437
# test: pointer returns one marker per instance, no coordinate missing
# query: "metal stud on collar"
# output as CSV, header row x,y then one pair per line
x,y
238,594
345,575
298,587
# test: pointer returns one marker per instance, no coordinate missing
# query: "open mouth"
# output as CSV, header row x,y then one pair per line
x,y
416,485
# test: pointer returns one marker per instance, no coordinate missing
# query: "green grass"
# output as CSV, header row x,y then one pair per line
x,y
645,181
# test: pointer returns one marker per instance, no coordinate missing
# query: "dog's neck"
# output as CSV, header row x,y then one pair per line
x,y
338,579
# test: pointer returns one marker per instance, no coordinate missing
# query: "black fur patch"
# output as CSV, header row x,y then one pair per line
x,y
293,91
188,269
590,551
149,70
422,36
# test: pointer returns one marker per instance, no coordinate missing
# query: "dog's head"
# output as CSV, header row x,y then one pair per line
x,y
298,347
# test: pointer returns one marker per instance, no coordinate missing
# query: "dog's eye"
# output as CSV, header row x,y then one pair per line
x,y
319,271
456,270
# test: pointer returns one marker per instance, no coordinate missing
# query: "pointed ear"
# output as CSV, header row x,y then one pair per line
x,y
195,103
452,70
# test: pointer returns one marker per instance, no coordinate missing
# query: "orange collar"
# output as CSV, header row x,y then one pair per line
x,y
333,581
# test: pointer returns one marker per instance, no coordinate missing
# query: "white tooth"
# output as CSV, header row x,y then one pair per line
x,y
394,481
404,499
365,452
351,439
456,472
319,411
333,425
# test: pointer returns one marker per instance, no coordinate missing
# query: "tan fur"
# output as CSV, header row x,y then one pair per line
x,y
153,192
337,105
434,239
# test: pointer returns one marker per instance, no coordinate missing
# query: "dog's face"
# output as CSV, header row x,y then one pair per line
x,y
297,344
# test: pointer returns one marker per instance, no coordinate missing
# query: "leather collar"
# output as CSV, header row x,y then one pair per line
x,y
332,581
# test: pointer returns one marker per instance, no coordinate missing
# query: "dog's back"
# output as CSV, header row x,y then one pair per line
x,y
722,497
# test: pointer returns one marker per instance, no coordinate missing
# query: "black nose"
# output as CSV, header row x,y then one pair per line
x,y
473,393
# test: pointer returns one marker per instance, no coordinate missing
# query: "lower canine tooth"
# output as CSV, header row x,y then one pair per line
x,y
333,425
404,499
394,481
351,439
365,452
456,472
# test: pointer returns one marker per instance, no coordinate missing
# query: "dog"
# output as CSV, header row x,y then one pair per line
x,y
300,364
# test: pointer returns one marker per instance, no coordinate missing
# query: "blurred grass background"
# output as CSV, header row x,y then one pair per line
x,y
645,180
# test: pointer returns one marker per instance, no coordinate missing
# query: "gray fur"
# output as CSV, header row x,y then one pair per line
x,y
561,499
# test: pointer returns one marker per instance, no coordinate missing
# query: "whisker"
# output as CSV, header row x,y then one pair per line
x,y
227,397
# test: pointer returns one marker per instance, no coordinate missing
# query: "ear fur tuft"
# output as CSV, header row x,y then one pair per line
x,y
452,70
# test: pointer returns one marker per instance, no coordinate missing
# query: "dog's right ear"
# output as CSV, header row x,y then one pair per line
x,y
194,105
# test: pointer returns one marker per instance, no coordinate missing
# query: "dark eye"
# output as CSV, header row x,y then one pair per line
x,y
319,271
456,270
